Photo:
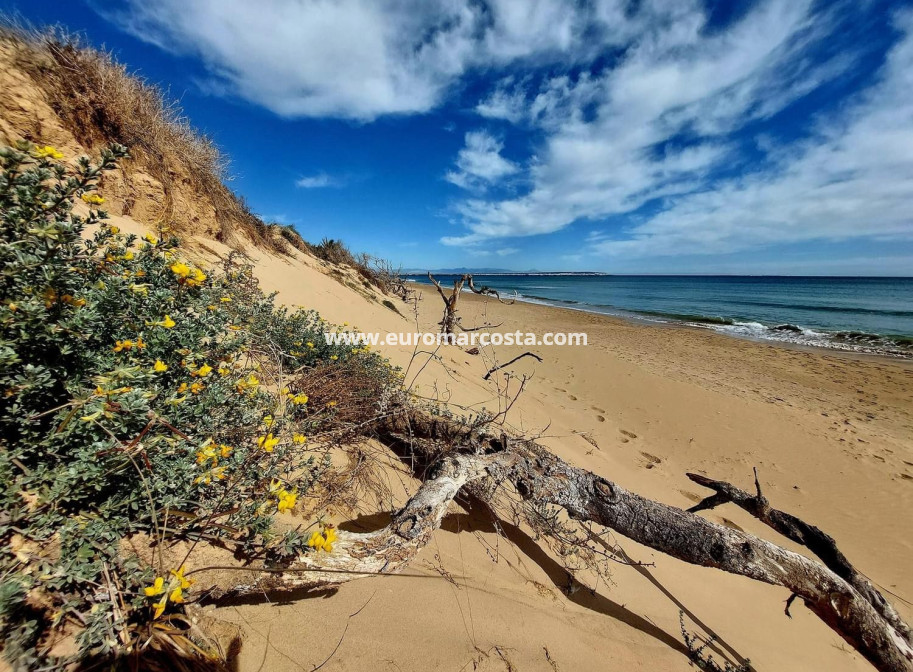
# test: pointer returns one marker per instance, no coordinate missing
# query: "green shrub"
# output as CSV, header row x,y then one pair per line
x,y
135,387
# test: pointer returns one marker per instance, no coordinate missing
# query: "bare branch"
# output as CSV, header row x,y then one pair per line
x,y
498,368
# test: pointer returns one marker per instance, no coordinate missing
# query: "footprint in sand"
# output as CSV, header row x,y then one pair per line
x,y
572,397
597,409
600,418
652,460
630,435
690,495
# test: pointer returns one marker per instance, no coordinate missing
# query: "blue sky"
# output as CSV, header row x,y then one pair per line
x,y
628,136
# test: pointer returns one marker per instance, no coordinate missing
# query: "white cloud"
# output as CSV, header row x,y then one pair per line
x,y
480,163
851,180
507,251
657,127
319,181
363,58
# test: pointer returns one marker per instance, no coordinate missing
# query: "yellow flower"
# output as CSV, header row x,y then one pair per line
x,y
298,399
225,451
159,608
182,388
250,382
128,256
222,371
122,345
225,299
159,366
217,473
115,230
180,269
286,500
310,345
168,323
331,404
157,587
140,343
179,575
92,199
334,357
48,152
152,240
207,452
198,277
196,388
267,442
177,595
204,371
324,539
267,421
299,439
316,541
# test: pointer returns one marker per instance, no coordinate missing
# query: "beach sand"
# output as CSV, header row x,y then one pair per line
x,y
831,435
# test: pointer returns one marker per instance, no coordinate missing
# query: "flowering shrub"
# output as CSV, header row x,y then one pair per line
x,y
135,388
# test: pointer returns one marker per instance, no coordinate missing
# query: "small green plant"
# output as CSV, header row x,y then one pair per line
x,y
137,388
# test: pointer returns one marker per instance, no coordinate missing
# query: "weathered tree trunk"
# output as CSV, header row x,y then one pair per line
x,y
450,321
544,479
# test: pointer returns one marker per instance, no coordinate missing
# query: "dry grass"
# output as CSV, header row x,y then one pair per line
x,y
372,270
101,102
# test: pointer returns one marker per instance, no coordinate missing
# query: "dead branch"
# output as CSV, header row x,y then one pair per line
x,y
450,321
489,291
498,368
813,538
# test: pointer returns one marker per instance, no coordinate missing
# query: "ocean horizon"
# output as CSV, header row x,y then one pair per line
x,y
872,315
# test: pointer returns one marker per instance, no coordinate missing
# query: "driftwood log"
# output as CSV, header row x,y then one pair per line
x,y
832,589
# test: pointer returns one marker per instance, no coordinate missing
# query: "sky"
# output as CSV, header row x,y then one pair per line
x,y
624,136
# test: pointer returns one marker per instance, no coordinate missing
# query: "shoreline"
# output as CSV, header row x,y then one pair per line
x,y
719,328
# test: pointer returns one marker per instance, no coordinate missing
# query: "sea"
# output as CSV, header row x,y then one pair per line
x,y
865,315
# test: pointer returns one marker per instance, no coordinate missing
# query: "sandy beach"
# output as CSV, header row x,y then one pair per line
x,y
831,435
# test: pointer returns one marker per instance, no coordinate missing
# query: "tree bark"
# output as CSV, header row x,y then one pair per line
x,y
810,536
